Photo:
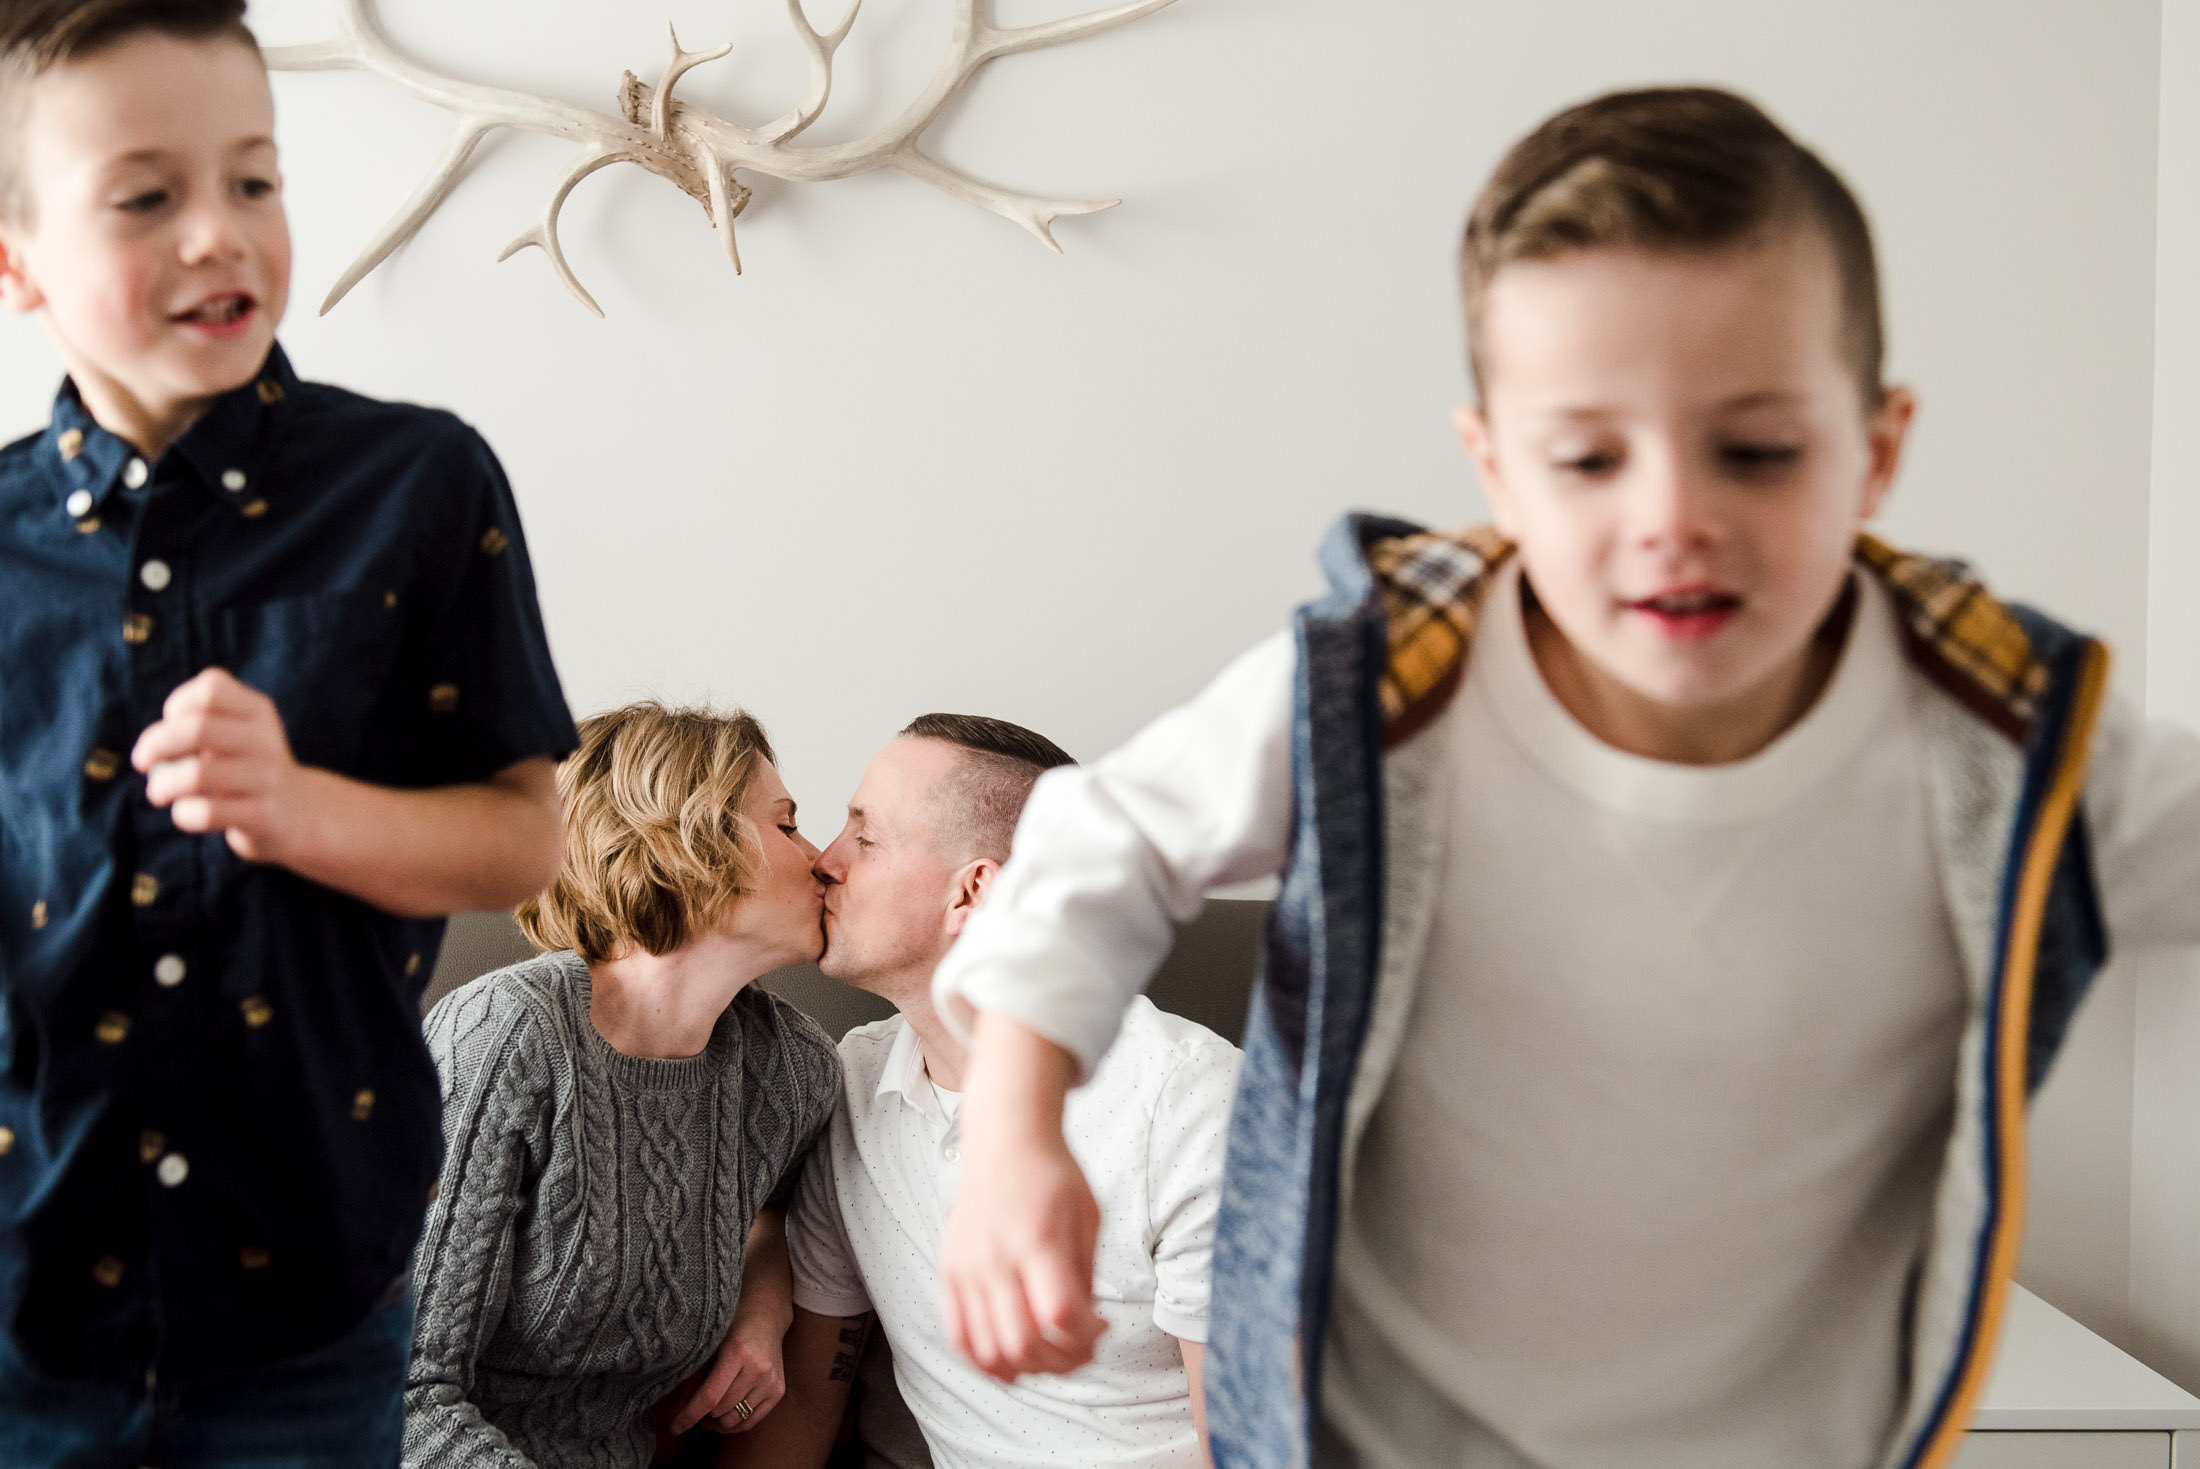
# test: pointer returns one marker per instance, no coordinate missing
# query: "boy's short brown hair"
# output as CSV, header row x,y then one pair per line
x,y
38,35
656,839
1668,169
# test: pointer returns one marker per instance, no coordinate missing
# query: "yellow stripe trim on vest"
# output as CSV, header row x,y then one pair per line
x,y
2015,1020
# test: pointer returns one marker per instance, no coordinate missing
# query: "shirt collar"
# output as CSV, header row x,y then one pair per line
x,y
225,448
904,1076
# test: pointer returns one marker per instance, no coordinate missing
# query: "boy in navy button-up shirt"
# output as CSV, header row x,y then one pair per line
x,y
274,697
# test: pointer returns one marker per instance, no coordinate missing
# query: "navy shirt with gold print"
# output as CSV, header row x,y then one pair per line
x,y
219,1126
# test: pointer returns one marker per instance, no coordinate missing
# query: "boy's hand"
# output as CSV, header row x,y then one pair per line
x,y
219,760
1016,1259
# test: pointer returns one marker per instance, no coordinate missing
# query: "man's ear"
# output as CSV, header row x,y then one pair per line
x,y
969,890
1473,427
18,292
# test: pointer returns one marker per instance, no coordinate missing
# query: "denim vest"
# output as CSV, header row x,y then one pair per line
x,y
1378,657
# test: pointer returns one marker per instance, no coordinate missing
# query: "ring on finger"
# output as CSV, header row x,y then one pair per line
x,y
742,1407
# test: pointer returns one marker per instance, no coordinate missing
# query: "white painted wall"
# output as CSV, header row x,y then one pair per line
x,y
912,461
2165,1207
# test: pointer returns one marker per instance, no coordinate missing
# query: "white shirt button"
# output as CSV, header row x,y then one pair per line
x,y
156,575
134,474
168,971
80,504
173,1169
233,480
951,1153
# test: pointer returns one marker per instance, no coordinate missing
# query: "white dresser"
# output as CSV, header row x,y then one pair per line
x,y
2062,1398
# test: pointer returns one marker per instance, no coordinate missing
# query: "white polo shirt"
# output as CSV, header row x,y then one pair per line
x,y
1148,1130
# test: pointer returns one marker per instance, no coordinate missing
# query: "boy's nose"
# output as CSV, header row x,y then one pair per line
x,y
209,234
1672,505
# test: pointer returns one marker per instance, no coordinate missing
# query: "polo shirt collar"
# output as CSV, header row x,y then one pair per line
x,y
904,1077
225,447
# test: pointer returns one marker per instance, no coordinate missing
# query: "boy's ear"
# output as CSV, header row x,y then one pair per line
x,y
1473,427
1887,431
18,292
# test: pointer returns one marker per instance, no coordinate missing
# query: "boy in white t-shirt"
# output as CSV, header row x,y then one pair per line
x,y
1639,1068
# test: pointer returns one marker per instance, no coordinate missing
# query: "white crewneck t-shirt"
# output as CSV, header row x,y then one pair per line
x,y
1658,1151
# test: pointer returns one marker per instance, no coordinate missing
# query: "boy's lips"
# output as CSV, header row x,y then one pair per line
x,y
222,317
1688,614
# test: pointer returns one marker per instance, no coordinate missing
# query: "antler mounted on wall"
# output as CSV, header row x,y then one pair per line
x,y
696,149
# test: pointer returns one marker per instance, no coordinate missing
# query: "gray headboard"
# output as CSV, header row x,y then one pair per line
x,y
1207,977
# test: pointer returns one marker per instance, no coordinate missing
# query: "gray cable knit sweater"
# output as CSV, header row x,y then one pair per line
x,y
584,1252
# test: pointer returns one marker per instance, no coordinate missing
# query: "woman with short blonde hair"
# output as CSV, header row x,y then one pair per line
x,y
618,1111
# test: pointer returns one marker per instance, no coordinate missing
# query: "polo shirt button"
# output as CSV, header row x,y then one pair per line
x,y
80,504
156,575
169,970
144,890
951,1153
134,474
173,1170
233,480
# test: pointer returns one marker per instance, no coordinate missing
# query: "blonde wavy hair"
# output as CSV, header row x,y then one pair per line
x,y
656,842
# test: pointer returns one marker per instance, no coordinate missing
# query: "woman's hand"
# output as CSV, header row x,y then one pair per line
x,y
748,1377
747,1374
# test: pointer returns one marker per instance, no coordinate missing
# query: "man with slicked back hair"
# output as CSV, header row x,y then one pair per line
x,y
928,829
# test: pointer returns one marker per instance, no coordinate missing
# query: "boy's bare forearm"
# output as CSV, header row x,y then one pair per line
x,y
1017,1081
219,759
425,853
1016,1255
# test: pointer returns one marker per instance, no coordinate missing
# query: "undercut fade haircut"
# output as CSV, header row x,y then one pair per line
x,y
1668,169
975,812
38,35
657,842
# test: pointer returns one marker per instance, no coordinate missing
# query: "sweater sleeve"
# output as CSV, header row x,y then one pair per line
x,y
488,1051
1109,857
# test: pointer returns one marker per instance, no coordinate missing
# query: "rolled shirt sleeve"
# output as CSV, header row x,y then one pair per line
x,y
2142,807
1191,1124
1109,857
827,1281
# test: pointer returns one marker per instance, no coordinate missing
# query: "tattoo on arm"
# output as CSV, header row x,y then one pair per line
x,y
850,1351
